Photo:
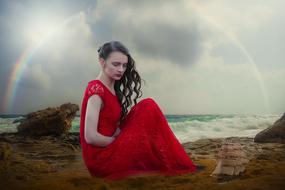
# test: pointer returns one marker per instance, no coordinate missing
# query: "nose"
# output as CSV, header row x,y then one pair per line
x,y
121,69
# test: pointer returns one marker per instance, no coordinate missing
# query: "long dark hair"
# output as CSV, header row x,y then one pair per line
x,y
130,81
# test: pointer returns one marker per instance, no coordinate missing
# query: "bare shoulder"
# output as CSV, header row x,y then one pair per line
x,y
95,101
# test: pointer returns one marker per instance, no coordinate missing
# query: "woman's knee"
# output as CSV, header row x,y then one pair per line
x,y
148,102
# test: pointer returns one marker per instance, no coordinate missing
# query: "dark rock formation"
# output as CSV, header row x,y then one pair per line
x,y
50,121
273,134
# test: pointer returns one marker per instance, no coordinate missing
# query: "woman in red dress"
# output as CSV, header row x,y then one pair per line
x,y
117,143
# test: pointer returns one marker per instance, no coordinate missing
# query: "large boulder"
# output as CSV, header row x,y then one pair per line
x,y
50,121
273,134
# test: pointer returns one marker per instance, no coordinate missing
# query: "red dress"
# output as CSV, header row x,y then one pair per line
x,y
146,144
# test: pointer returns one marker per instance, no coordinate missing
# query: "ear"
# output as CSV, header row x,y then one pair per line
x,y
101,61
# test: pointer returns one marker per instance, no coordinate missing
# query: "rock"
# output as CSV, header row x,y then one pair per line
x,y
24,157
5,151
231,160
15,166
35,162
273,134
70,110
50,121
18,120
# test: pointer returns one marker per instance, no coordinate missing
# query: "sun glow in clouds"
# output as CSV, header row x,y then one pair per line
x,y
40,32
225,56
38,36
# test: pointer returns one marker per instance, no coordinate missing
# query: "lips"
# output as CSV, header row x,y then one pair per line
x,y
119,75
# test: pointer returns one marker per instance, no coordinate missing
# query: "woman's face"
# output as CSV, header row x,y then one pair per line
x,y
115,65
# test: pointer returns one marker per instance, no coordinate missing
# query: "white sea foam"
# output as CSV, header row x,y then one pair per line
x,y
238,125
7,125
192,127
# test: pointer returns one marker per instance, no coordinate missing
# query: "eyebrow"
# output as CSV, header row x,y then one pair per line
x,y
118,62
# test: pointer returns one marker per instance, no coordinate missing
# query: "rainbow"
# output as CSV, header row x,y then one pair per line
x,y
26,56
233,39
21,64
13,81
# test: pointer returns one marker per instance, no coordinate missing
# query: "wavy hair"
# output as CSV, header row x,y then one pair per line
x,y
130,81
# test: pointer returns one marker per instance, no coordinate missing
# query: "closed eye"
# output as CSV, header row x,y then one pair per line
x,y
117,64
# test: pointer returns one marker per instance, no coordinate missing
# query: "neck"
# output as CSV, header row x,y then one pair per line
x,y
106,80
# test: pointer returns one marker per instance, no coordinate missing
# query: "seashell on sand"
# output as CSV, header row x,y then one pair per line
x,y
231,160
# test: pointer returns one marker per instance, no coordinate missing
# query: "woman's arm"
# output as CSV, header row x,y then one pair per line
x,y
91,123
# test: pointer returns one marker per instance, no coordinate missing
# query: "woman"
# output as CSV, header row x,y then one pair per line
x,y
117,143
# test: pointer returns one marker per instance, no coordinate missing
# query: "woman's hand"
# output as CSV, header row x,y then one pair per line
x,y
117,132
111,139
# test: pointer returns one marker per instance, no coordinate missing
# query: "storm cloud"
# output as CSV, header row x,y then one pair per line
x,y
196,52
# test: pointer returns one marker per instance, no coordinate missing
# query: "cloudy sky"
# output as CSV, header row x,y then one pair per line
x,y
197,57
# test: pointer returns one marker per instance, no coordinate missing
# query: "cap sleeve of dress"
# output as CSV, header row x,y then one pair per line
x,y
95,88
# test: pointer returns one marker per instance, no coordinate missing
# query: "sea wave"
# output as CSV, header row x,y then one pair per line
x,y
190,127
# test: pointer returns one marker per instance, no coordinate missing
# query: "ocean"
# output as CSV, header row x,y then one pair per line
x,y
187,128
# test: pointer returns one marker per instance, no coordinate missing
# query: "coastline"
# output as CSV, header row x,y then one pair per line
x,y
55,162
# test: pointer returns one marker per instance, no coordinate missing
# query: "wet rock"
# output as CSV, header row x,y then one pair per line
x,y
50,121
273,134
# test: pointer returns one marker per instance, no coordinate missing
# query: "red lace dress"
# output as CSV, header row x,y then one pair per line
x,y
146,144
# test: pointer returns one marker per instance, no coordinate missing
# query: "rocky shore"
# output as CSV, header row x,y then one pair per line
x,y
55,162
44,155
